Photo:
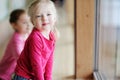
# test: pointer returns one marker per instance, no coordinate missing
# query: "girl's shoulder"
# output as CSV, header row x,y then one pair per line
x,y
34,39
35,35
17,37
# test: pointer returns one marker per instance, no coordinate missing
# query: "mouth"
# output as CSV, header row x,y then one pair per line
x,y
45,24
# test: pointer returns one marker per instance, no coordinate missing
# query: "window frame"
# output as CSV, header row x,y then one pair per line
x,y
96,73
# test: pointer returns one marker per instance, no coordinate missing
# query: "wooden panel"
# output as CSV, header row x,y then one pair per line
x,y
84,38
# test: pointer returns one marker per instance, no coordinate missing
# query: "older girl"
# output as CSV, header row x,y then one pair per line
x,y
20,22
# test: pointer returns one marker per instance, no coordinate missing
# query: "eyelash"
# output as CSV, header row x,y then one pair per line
x,y
38,16
48,14
24,22
41,15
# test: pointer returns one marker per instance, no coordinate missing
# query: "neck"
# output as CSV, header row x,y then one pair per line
x,y
46,33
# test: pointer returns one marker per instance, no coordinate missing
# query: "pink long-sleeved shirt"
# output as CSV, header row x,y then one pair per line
x,y
36,60
12,52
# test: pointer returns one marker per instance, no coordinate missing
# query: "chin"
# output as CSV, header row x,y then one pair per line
x,y
46,28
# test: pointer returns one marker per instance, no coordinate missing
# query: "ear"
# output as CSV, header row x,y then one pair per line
x,y
13,25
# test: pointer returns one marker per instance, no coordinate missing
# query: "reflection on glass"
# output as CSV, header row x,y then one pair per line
x,y
109,41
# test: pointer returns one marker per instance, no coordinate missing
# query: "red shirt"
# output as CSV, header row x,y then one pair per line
x,y
36,60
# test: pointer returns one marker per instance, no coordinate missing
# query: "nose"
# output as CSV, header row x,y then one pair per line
x,y
44,18
28,24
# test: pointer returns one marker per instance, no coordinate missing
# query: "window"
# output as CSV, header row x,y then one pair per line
x,y
107,40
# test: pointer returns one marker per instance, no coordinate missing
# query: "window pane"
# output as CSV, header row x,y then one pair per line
x,y
109,39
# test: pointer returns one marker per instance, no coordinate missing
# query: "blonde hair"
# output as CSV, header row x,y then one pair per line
x,y
35,6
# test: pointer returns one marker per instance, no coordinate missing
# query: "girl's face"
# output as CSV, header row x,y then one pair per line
x,y
23,23
44,18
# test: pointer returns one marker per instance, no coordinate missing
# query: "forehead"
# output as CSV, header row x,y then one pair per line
x,y
45,8
24,17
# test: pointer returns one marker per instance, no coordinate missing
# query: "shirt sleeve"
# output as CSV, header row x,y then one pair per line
x,y
17,48
48,68
36,58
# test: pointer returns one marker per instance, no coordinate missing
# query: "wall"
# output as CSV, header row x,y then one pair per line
x,y
5,34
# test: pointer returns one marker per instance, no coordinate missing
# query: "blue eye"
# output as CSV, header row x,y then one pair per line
x,y
48,14
38,16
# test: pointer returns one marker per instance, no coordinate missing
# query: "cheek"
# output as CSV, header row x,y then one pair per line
x,y
20,27
52,21
23,26
38,22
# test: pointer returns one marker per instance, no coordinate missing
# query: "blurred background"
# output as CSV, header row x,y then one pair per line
x,y
64,52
